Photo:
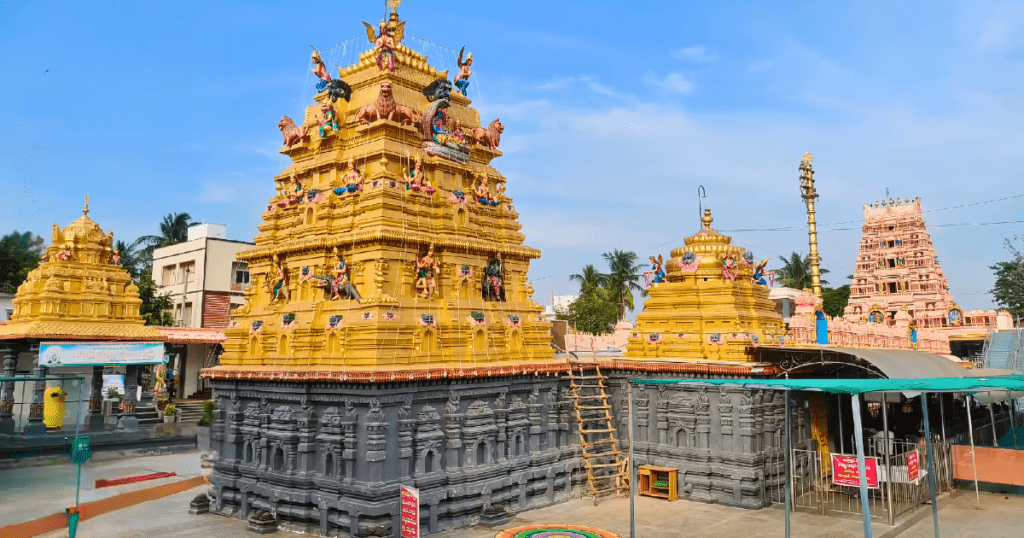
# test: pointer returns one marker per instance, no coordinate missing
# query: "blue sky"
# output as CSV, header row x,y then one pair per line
x,y
615,112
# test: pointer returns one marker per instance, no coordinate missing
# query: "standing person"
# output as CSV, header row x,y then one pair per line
x,y
170,384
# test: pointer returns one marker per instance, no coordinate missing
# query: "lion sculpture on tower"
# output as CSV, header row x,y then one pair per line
x,y
491,136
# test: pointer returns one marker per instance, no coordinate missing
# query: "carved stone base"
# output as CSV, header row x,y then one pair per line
x,y
261,522
199,505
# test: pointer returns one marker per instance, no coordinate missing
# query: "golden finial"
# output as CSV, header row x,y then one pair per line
x,y
85,210
807,158
394,4
707,220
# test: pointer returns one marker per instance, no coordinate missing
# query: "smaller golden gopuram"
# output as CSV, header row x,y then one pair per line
x,y
79,291
711,306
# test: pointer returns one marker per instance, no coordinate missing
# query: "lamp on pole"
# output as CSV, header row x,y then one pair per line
x,y
809,195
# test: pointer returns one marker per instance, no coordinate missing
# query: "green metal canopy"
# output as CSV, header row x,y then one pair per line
x,y
859,386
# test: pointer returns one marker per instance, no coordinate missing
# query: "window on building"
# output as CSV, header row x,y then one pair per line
x,y
892,287
167,275
187,271
186,315
240,273
892,263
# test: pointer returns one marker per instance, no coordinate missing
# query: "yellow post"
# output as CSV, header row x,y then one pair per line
x,y
53,408
810,195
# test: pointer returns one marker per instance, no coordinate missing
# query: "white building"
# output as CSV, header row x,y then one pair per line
x,y
205,283
559,305
6,306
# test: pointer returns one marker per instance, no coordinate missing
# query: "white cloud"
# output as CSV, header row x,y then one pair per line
x,y
697,53
676,82
218,192
583,80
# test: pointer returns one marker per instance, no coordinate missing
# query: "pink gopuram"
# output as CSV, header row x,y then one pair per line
x,y
898,270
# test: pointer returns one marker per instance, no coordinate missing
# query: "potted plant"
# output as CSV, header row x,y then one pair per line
x,y
161,404
170,413
114,395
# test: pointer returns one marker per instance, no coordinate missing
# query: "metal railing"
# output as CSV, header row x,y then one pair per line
x,y
814,490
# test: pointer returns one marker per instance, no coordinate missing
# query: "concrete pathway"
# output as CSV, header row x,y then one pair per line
x,y
29,493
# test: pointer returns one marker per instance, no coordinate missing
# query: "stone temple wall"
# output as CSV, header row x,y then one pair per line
x,y
726,442
329,458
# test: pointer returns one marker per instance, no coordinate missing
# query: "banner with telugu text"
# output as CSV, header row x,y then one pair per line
x,y
410,512
846,473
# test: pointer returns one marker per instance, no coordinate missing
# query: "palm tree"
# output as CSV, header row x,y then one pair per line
x,y
590,279
132,260
621,280
796,273
173,230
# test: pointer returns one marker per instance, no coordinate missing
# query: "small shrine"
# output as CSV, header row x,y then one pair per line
x,y
79,291
709,306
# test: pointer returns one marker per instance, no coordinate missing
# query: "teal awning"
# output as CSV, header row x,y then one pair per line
x,y
859,386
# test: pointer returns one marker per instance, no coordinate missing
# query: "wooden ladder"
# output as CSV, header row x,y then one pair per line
x,y
605,472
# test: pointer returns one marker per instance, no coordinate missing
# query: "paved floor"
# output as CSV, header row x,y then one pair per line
x,y
1001,516
29,493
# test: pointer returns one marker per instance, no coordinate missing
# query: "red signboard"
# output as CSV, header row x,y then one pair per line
x,y
410,512
845,472
913,466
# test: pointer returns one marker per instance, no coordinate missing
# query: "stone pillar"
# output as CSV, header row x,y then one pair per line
x,y
661,418
376,453
703,411
501,418
725,418
351,450
131,382
453,441
96,399
552,419
405,426
746,409
35,424
10,356
535,429
642,410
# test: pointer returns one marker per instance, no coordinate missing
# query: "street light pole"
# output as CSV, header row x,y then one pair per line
x,y
809,195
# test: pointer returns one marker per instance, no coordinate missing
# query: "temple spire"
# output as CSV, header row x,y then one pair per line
x,y
85,210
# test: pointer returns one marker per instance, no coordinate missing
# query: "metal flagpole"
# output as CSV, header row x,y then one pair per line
x,y
632,475
974,457
885,452
842,436
858,435
931,463
788,449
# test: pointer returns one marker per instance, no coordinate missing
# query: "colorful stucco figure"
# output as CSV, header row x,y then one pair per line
x,y
462,77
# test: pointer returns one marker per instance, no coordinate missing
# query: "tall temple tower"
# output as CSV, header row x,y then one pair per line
x,y
898,269
389,337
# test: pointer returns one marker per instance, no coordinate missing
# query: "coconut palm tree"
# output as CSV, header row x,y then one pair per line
x,y
622,279
796,272
173,230
590,279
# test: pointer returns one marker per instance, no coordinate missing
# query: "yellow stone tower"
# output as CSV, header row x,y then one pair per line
x,y
709,308
79,291
377,259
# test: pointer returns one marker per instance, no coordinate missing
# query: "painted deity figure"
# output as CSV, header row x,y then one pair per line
x,y
426,267
729,268
320,70
353,179
417,181
327,119
294,190
341,286
494,280
279,281
458,135
657,271
64,254
385,49
483,193
760,273
439,128
115,257
462,78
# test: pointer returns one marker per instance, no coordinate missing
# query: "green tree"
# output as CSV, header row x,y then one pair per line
x,y
133,259
592,313
796,272
173,230
622,279
19,254
155,308
835,300
590,279
1008,290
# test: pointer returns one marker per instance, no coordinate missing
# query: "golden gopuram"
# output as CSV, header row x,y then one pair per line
x,y
709,307
390,245
79,291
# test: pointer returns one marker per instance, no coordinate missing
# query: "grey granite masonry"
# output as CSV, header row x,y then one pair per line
x,y
329,458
